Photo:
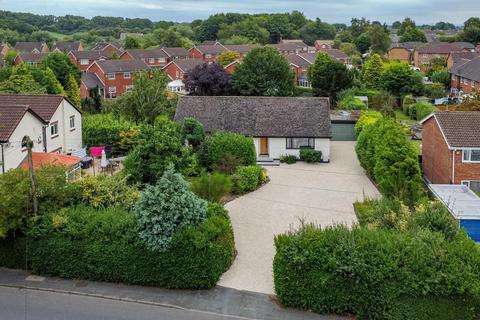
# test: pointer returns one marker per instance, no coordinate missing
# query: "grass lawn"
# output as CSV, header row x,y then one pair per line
x,y
403,118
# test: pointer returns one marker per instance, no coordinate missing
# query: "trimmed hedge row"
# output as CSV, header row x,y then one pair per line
x,y
378,274
103,245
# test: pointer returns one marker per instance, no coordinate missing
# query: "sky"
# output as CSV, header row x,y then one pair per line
x,y
337,11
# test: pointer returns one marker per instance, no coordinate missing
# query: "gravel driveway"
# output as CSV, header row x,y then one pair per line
x,y
320,193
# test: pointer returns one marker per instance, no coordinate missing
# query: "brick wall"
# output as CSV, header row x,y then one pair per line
x,y
465,170
466,85
401,54
120,83
174,72
436,158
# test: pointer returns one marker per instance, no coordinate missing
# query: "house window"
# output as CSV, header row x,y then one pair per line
x,y
472,155
84,62
72,122
111,76
129,88
162,60
208,56
127,75
151,60
297,143
54,130
112,89
474,185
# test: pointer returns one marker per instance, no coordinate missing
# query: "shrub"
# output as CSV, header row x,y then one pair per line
x,y
310,155
384,214
384,102
288,158
367,118
435,91
212,187
166,208
107,191
408,100
223,145
247,178
158,146
373,273
192,132
351,103
103,245
423,109
434,216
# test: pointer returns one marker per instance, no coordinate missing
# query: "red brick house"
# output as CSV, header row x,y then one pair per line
x,y
31,47
323,44
230,68
83,59
109,48
177,69
423,55
299,64
176,53
154,58
451,148
465,76
117,75
456,57
241,49
207,53
290,47
89,82
67,46
30,58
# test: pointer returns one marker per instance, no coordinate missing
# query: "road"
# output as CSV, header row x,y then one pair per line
x,y
44,305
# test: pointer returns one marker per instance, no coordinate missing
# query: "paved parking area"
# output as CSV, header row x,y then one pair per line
x,y
321,193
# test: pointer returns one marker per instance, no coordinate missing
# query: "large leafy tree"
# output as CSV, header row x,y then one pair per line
x,y
21,80
399,79
62,67
165,208
413,34
264,72
312,31
379,38
406,23
227,57
208,80
148,99
328,77
471,30
372,70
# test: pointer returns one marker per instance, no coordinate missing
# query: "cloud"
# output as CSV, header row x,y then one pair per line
x,y
424,11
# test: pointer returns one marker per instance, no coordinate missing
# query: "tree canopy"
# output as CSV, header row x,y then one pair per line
x,y
209,80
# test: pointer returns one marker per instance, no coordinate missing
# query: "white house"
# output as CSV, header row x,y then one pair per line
x,y
278,125
51,121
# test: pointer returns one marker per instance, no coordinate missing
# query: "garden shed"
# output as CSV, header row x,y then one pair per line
x,y
463,204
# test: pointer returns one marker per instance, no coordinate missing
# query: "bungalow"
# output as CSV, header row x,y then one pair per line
x,y
465,76
178,69
424,55
278,125
176,53
403,51
323,44
154,58
67,46
451,148
30,58
51,121
116,75
31,47
83,59
207,53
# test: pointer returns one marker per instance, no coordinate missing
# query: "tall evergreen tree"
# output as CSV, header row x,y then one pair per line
x,y
73,91
372,70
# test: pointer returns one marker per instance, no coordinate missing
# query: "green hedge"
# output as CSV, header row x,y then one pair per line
x,y
310,155
247,178
376,274
103,245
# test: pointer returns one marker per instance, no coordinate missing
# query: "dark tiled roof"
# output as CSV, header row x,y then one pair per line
x,y
67,46
335,54
211,49
468,69
44,105
288,46
89,54
241,48
442,48
146,53
103,45
176,52
10,117
411,45
28,46
461,128
297,60
296,41
33,57
209,42
187,64
90,80
112,66
310,57
259,116
459,56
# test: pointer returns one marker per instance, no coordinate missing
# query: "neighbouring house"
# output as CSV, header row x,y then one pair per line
x,y
89,82
451,148
460,57
67,46
117,75
154,58
230,68
290,48
241,49
337,55
210,42
323,44
83,59
31,47
207,53
465,77
30,58
278,125
51,121
403,51
423,55
176,53
109,48
178,69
